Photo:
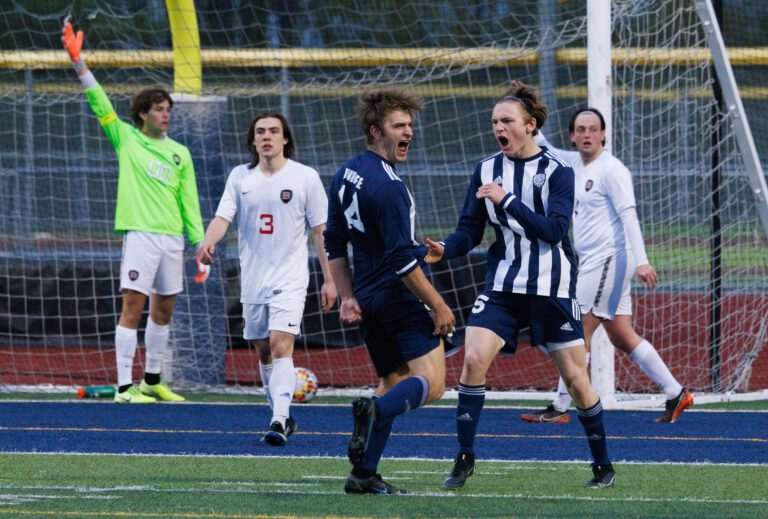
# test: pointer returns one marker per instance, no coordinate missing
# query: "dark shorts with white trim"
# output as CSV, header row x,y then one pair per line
x,y
555,322
396,328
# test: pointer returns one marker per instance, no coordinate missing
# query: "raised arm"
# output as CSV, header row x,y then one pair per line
x,y
73,43
97,98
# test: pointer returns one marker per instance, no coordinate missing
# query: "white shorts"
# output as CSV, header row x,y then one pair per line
x,y
152,262
282,316
605,290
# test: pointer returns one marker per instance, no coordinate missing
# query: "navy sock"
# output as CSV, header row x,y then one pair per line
x,y
406,395
471,401
382,428
592,421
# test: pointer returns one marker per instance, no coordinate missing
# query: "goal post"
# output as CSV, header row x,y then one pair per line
x,y
735,113
600,96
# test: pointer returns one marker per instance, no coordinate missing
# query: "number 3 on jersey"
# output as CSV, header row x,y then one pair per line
x,y
352,213
266,225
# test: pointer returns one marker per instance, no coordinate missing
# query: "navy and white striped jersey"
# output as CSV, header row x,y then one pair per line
x,y
370,207
532,254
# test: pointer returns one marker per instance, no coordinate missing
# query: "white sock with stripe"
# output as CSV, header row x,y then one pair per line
x,y
282,384
125,349
156,341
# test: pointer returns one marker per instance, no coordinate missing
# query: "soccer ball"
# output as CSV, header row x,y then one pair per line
x,y
306,386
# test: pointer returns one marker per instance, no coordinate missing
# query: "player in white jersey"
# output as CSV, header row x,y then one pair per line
x,y
276,200
610,249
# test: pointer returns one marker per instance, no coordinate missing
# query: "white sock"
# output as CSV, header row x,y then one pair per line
x,y
282,383
156,341
563,400
265,370
648,359
125,349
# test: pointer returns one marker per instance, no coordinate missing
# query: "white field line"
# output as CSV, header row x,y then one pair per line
x,y
445,494
266,483
573,436
394,458
18,499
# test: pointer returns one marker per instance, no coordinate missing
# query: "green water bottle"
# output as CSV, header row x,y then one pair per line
x,y
96,391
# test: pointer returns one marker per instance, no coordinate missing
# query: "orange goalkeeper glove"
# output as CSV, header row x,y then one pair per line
x,y
72,42
202,271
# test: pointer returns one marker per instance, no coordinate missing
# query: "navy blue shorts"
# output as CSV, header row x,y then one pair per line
x,y
396,328
555,323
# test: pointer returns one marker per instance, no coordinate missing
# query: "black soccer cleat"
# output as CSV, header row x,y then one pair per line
x,y
363,411
604,476
463,467
371,485
290,426
276,435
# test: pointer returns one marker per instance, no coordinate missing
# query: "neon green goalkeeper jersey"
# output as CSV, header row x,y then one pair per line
x,y
156,188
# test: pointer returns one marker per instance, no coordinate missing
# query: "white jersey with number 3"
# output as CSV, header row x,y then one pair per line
x,y
274,215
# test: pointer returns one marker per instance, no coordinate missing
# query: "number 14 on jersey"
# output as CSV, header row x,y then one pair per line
x,y
352,213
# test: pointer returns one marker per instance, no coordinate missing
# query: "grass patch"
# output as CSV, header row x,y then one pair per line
x,y
192,487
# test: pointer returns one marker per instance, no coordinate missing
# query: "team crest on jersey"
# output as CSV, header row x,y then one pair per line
x,y
539,179
499,180
286,195
176,159
133,275
588,185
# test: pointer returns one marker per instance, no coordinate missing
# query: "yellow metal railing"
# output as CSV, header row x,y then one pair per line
x,y
359,57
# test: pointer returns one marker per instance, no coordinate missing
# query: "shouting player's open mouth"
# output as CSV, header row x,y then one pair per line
x,y
402,147
503,141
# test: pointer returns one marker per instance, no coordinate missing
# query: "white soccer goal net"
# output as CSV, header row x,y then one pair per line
x,y
59,260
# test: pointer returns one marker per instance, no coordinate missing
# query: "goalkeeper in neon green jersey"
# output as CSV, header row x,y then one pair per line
x,y
156,201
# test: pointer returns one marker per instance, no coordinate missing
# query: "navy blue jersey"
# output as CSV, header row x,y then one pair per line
x,y
532,254
369,206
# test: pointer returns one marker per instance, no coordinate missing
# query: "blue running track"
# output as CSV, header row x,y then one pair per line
x,y
204,429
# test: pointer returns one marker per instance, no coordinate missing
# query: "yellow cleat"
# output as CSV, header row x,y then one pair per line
x,y
133,396
161,391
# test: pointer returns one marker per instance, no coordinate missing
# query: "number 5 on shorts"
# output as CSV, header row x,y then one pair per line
x,y
479,304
